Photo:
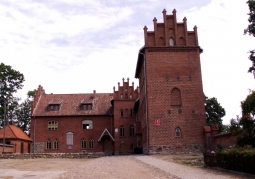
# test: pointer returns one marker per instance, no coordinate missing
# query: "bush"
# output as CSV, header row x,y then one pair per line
x,y
239,159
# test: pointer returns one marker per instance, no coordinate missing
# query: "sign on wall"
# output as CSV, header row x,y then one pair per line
x,y
157,122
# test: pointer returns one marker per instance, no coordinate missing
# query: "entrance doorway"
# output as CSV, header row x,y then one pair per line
x,y
123,149
107,145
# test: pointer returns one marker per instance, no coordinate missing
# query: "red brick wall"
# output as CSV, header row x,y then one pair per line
x,y
225,140
168,68
70,124
8,149
126,105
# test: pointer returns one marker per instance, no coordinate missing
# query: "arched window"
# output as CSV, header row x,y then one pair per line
x,y
176,97
178,132
131,96
87,124
48,144
122,131
171,41
132,130
121,113
121,96
91,143
55,146
83,143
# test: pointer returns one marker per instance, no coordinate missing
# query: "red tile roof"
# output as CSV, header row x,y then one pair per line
x,y
14,132
70,104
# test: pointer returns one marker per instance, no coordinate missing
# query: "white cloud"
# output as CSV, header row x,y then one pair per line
x,y
77,46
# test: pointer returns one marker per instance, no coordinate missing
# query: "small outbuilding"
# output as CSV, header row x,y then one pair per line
x,y
16,141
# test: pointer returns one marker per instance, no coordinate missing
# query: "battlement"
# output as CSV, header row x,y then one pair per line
x,y
170,33
125,92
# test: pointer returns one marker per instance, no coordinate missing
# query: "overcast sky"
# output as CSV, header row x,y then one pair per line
x,y
77,46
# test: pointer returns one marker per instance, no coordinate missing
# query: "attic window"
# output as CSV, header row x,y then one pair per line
x,y
53,107
86,106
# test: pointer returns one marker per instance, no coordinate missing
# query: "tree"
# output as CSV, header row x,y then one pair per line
x,y
244,128
214,112
23,114
251,31
10,82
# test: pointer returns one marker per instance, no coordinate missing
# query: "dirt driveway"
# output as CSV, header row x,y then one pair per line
x,y
105,167
126,167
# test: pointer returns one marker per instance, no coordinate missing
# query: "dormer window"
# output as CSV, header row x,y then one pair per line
x,y
53,107
86,106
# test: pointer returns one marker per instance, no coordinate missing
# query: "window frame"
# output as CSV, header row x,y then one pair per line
x,y
178,132
88,124
132,130
55,144
91,144
48,144
86,107
52,125
83,143
53,107
171,41
121,113
122,131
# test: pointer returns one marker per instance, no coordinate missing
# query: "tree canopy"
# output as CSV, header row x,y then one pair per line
x,y
10,82
214,112
251,31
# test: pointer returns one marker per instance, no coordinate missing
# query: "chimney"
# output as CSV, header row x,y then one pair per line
x,y
94,94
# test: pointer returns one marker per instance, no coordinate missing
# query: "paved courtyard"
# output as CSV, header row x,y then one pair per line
x,y
115,167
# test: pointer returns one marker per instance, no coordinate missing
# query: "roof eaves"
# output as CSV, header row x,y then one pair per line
x,y
140,59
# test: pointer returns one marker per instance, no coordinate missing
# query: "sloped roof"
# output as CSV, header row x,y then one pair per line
x,y
105,132
14,132
70,104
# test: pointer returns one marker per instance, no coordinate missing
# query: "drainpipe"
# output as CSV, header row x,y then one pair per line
x,y
146,105
34,133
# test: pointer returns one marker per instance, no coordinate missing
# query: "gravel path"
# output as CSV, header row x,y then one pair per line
x,y
113,167
187,172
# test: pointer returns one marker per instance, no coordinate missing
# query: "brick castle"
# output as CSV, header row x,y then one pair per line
x,y
165,114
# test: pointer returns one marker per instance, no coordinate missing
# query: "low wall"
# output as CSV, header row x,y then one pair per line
x,y
7,148
52,155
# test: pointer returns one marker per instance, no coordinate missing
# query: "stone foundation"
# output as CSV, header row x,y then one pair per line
x,y
170,149
38,147
52,155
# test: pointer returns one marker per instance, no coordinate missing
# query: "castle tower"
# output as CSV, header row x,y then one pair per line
x,y
125,136
171,102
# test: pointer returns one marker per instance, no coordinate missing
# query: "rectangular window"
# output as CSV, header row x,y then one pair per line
x,y
86,107
52,125
53,107
131,112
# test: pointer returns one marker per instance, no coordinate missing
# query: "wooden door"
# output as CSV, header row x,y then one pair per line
x,y
123,149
